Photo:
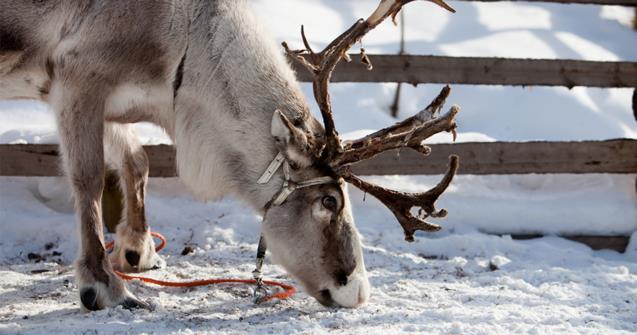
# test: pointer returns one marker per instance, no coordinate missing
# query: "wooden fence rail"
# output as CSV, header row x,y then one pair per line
x,y
483,71
612,156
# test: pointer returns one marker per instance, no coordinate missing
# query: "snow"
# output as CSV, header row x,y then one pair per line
x,y
458,281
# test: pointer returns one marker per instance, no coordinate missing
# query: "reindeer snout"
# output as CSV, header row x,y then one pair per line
x,y
353,294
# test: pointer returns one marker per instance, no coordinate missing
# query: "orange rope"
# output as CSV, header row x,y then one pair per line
x,y
288,290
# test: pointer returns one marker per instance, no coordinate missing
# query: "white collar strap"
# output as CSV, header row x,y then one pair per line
x,y
272,168
288,186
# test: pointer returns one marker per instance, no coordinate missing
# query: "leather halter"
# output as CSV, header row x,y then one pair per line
x,y
288,185
279,198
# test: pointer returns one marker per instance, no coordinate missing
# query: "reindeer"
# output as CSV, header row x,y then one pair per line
x,y
205,72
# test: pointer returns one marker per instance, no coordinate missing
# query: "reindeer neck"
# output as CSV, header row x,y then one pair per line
x,y
235,76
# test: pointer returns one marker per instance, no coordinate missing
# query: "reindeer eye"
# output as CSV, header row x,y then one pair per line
x,y
329,202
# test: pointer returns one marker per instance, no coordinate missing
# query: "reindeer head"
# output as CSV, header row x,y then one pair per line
x,y
309,225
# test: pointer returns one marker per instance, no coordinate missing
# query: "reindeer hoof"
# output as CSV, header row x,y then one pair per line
x,y
132,303
132,257
135,252
88,298
94,298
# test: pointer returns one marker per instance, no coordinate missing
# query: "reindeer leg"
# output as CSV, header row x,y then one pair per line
x,y
79,112
134,247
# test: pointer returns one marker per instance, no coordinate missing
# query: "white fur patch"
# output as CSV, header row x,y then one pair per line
x,y
355,293
145,98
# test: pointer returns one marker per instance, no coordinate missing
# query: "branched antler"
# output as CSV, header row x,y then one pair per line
x,y
322,64
409,133
401,203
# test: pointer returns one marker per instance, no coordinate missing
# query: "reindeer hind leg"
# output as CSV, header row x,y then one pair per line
x,y
134,247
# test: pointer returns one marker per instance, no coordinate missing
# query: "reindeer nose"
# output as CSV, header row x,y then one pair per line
x,y
341,279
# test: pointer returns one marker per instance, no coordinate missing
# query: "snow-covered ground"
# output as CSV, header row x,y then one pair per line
x,y
456,281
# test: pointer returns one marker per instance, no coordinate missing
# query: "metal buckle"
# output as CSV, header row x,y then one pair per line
x,y
260,291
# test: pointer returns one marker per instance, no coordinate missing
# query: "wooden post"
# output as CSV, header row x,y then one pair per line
x,y
112,202
394,108
635,96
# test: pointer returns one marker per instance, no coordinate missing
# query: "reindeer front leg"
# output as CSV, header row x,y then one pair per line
x,y
79,107
134,249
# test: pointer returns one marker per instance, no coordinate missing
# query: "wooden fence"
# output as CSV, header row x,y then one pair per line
x,y
484,71
480,158
611,156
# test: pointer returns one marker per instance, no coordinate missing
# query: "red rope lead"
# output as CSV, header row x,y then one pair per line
x,y
288,290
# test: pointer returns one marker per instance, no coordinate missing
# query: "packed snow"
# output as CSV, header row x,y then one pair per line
x,y
458,281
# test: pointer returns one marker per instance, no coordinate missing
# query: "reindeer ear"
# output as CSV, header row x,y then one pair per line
x,y
281,127
290,140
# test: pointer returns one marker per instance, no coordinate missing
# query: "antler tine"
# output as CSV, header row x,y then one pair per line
x,y
392,8
410,133
423,116
322,65
401,203
305,42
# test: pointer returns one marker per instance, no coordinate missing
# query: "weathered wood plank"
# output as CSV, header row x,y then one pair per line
x,y
483,71
583,2
32,160
29,160
162,160
612,156
595,242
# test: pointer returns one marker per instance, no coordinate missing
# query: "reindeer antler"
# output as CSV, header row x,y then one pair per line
x,y
401,203
409,133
